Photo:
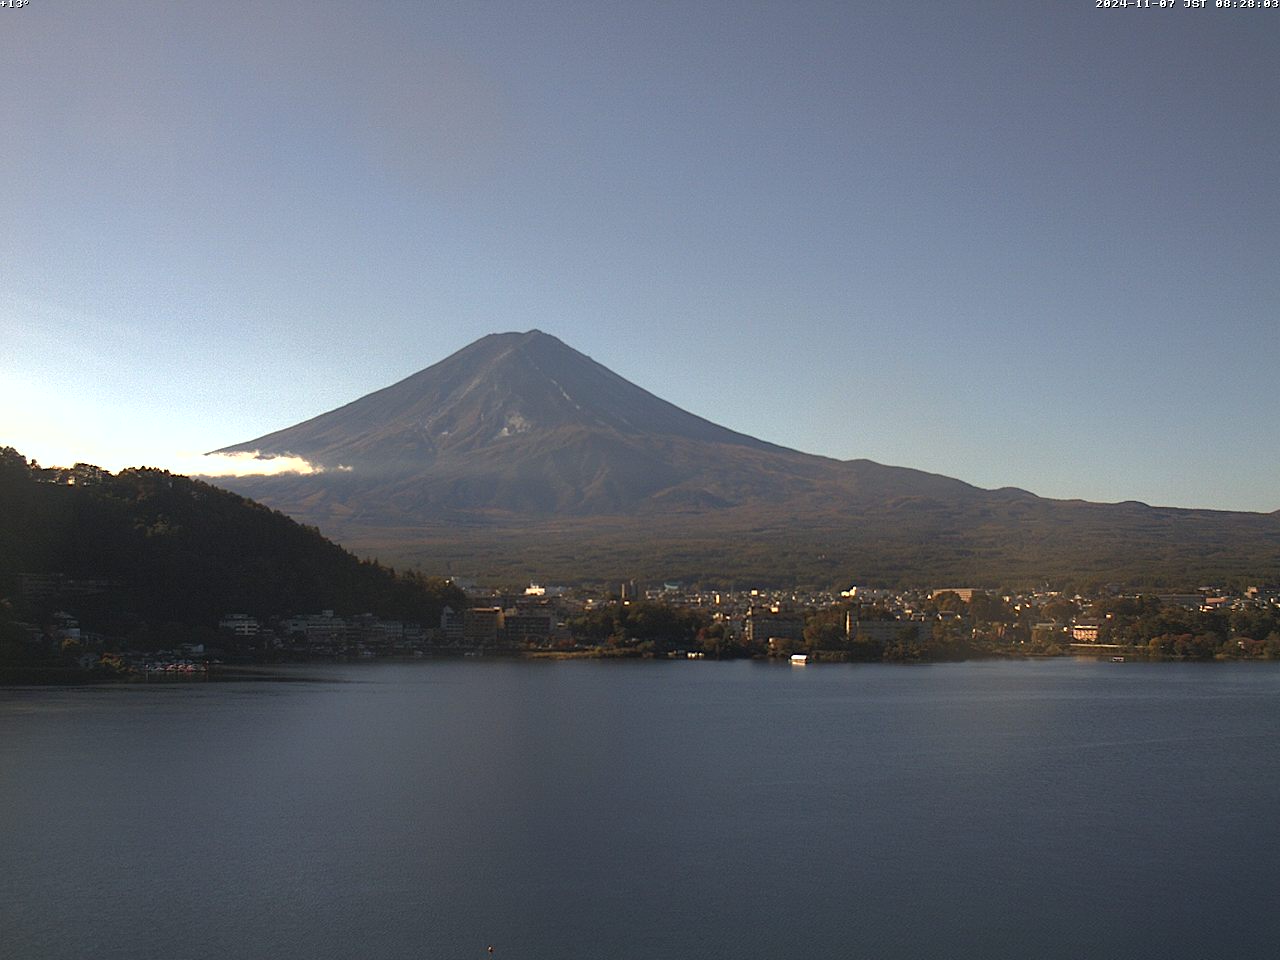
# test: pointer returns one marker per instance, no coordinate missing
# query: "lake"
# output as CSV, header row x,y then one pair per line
x,y
615,810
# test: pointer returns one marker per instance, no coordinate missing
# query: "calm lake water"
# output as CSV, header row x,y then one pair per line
x,y
648,810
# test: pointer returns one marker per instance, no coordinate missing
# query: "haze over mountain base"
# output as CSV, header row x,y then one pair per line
x,y
519,457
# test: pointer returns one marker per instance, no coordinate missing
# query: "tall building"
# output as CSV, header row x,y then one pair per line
x,y
482,624
528,625
767,623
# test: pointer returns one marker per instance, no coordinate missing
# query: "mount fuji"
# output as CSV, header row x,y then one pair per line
x,y
518,456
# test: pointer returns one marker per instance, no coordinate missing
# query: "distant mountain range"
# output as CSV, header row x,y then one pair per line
x,y
520,457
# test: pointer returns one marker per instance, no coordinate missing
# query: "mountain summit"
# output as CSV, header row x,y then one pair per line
x,y
520,455
488,395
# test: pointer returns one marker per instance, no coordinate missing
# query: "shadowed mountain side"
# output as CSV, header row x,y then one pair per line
x,y
520,456
685,532
580,472
909,542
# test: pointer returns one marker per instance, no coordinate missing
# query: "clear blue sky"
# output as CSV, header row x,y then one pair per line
x,y
1034,244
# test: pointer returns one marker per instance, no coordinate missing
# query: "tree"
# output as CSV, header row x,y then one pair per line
x,y
1059,611
949,601
825,629
988,608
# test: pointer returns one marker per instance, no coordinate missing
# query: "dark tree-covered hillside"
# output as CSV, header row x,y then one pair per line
x,y
147,546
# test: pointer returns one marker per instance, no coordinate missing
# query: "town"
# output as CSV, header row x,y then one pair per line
x,y
668,620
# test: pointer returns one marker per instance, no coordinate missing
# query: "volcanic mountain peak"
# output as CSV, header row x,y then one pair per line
x,y
500,387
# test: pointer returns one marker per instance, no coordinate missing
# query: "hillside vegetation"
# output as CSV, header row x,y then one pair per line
x,y
148,547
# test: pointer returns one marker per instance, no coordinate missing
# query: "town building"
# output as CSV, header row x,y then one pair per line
x,y
529,625
482,625
763,624
1085,632
240,625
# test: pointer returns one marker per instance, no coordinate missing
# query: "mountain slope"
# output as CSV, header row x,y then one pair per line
x,y
500,388
518,453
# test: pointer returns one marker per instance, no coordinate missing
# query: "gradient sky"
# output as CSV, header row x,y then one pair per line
x,y
1031,244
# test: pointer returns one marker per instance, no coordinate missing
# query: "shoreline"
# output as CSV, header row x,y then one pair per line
x,y
14,676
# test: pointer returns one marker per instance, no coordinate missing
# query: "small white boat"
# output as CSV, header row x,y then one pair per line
x,y
799,659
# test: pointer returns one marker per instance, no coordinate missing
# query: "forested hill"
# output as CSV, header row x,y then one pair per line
x,y
146,546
